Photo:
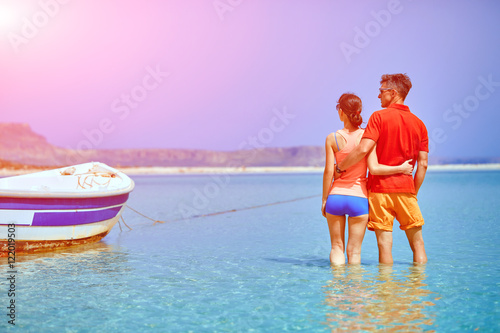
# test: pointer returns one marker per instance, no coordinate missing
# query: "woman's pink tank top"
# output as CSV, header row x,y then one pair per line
x,y
353,181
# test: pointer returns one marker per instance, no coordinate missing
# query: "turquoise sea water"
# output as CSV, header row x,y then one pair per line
x,y
266,269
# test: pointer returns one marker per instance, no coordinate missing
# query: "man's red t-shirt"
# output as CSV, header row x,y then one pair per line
x,y
399,135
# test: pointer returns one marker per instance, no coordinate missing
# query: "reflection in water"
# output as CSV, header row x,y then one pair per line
x,y
77,283
360,301
91,258
65,251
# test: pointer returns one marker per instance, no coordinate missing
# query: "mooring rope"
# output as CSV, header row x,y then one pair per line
x,y
221,212
125,223
155,221
246,208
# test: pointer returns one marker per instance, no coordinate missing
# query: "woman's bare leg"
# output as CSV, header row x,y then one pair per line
x,y
357,228
336,225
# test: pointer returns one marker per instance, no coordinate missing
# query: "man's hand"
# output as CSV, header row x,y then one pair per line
x,y
336,175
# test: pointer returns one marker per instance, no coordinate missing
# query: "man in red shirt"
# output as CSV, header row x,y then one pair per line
x,y
399,136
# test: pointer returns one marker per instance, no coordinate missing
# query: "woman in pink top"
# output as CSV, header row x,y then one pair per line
x,y
347,195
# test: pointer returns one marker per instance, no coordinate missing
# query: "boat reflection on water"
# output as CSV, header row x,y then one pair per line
x,y
82,251
359,300
87,260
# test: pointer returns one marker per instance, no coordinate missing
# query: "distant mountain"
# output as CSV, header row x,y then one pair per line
x,y
295,156
20,146
436,160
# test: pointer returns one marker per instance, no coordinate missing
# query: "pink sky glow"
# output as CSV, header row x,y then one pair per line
x,y
216,74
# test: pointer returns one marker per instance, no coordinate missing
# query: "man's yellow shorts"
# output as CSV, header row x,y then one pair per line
x,y
384,207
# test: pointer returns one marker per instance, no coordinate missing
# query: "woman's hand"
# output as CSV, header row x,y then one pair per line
x,y
323,205
407,168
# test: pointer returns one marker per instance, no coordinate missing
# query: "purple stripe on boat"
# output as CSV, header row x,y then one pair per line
x,y
61,203
58,219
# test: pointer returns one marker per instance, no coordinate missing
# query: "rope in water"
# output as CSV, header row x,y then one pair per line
x,y
221,212
155,221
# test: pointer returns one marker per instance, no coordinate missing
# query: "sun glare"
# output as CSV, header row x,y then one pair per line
x,y
9,16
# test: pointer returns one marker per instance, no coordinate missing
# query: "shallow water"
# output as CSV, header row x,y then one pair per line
x,y
266,268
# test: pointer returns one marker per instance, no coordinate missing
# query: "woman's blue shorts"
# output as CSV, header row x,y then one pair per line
x,y
346,205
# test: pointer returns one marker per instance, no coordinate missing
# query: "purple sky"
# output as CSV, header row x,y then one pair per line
x,y
230,74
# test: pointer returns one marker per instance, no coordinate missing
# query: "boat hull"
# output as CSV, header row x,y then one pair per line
x,y
62,207
31,239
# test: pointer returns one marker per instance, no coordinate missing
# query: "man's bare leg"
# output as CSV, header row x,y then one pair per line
x,y
416,241
384,241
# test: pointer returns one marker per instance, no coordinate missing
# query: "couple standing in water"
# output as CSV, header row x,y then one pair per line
x,y
394,141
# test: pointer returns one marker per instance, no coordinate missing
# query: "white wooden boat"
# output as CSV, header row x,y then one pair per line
x,y
61,207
